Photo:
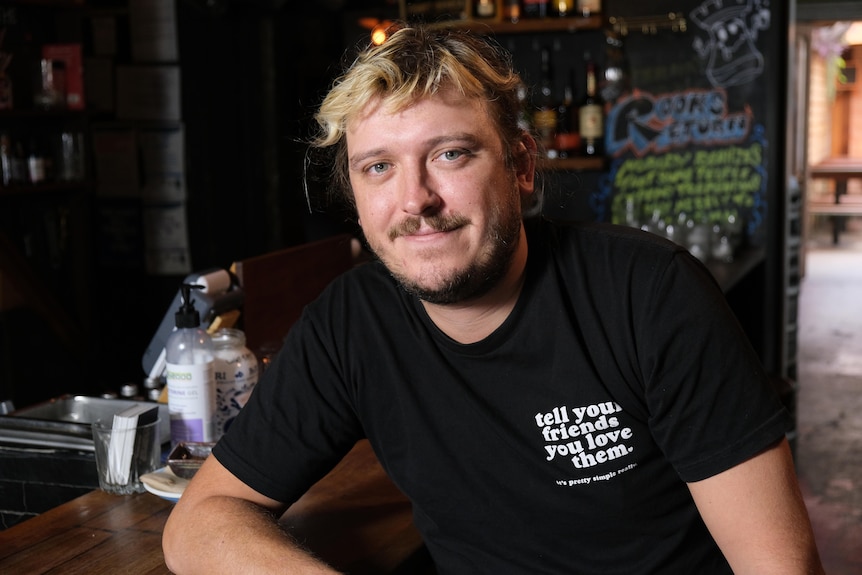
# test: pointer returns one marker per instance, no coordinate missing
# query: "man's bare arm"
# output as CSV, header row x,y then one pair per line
x,y
220,525
757,516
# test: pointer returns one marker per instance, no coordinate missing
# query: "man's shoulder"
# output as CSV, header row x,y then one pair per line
x,y
371,276
599,238
360,290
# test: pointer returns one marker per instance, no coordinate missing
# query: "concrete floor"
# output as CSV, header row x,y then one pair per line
x,y
829,404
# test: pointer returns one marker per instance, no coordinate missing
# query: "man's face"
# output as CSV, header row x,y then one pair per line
x,y
435,199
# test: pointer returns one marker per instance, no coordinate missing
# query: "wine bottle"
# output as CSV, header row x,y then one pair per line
x,y
545,114
485,8
512,10
567,140
36,164
588,8
6,158
564,8
591,122
535,8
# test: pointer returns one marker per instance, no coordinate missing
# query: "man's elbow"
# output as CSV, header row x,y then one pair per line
x,y
173,542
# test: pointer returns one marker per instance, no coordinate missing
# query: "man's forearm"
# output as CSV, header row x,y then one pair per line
x,y
229,535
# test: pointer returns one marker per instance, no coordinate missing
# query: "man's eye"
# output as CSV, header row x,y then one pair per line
x,y
378,168
451,155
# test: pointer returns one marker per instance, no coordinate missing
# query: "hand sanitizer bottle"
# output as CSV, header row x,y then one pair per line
x,y
190,373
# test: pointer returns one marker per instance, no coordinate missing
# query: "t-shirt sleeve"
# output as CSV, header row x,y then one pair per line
x,y
711,405
299,421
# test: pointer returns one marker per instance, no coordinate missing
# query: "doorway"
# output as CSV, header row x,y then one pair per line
x,y
826,125
827,114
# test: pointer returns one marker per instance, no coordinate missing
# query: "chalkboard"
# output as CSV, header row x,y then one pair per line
x,y
695,133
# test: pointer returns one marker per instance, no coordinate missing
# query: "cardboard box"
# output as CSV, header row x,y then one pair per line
x,y
70,55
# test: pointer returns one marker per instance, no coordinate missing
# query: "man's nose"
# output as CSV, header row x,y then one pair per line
x,y
418,191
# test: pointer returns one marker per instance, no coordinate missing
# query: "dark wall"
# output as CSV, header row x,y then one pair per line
x,y
251,77
252,74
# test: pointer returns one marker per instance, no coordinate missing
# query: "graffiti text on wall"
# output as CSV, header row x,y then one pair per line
x,y
643,123
705,184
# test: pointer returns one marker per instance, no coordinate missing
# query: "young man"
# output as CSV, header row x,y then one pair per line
x,y
552,399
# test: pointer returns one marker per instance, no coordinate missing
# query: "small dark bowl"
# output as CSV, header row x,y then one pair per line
x,y
186,458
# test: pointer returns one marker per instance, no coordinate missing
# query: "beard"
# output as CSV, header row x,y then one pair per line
x,y
479,276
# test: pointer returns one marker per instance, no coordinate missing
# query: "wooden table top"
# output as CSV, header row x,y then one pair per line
x,y
837,167
354,518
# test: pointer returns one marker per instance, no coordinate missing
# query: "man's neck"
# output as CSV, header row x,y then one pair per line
x,y
474,320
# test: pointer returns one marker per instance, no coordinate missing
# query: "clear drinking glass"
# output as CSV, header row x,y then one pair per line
x,y
123,455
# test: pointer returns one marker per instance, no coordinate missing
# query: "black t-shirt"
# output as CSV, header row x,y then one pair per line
x,y
561,443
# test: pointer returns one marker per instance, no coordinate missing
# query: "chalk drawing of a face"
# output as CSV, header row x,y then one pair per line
x,y
732,26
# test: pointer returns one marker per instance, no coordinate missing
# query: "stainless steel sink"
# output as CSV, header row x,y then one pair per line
x,y
65,421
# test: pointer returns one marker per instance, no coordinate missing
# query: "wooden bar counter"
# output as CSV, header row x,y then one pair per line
x,y
354,518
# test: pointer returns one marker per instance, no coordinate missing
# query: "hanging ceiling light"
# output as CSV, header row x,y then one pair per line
x,y
381,29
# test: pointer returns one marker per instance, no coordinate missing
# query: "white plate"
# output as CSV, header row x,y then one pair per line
x,y
166,474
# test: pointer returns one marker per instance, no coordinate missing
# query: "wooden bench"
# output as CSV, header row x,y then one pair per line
x,y
839,170
847,206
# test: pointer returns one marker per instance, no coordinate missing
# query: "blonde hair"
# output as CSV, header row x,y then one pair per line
x,y
413,63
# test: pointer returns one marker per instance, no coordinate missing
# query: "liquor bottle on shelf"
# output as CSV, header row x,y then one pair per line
x,y
37,162
545,113
616,75
535,8
564,8
567,141
512,10
5,159
588,8
591,121
484,8
51,93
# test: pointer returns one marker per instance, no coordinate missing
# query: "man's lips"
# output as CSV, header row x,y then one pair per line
x,y
426,232
420,227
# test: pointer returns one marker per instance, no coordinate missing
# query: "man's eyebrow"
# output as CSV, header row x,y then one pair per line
x,y
462,137
467,137
357,160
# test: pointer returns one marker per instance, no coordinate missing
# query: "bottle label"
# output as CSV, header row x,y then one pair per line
x,y
567,141
546,124
236,374
545,119
591,122
486,8
191,401
512,10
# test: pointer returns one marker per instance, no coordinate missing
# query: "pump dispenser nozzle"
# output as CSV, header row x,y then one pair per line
x,y
188,315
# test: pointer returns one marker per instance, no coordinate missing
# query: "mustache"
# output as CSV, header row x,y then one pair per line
x,y
437,222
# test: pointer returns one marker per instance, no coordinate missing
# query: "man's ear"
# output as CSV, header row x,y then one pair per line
x,y
525,155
